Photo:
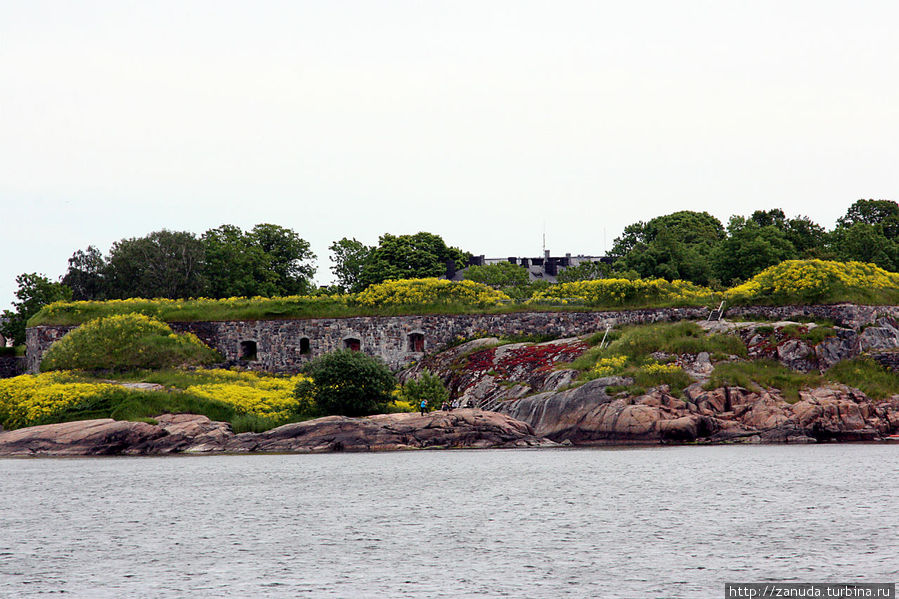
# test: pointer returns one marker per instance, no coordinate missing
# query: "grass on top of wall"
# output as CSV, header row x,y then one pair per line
x,y
791,282
198,310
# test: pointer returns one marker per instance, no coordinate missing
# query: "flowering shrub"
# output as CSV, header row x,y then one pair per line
x,y
818,281
624,292
126,341
656,368
27,400
423,292
609,366
53,396
249,393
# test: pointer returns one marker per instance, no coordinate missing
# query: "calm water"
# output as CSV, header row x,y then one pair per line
x,y
669,522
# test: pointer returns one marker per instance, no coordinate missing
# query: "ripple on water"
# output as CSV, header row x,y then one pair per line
x,y
671,522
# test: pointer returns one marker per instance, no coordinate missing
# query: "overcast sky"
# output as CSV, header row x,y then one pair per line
x,y
481,121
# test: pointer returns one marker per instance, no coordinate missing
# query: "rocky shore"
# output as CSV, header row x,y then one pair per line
x,y
190,433
527,395
583,416
587,415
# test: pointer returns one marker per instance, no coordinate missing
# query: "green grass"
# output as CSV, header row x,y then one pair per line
x,y
137,405
763,374
638,342
868,376
679,338
837,295
170,377
194,310
815,335
677,381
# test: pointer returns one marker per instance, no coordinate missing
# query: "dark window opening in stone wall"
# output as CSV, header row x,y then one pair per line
x,y
304,346
247,350
352,344
416,342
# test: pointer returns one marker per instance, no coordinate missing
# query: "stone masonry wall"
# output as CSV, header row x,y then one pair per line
x,y
279,343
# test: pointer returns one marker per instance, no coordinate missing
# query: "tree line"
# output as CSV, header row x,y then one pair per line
x,y
271,260
268,260
697,247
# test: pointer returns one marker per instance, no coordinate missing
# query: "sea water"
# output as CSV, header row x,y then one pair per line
x,y
636,522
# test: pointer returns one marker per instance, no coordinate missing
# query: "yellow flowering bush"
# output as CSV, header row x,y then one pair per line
x,y
818,281
28,400
656,368
249,393
423,292
55,396
624,292
126,341
609,366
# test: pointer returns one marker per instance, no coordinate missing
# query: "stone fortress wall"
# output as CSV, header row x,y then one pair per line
x,y
284,345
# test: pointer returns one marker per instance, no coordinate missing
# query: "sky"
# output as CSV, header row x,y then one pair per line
x,y
487,123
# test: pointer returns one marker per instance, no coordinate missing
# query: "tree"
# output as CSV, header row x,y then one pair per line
x,y
752,246
348,383
409,257
234,266
349,257
288,258
499,275
585,271
674,246
163,264
35,291
866,243
86,275
807,237
427,386
882,213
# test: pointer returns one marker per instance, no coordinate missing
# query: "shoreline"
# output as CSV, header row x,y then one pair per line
x,y
462,429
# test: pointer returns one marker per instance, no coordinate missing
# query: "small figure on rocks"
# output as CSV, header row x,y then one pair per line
x,y
445,407
424,407
455,405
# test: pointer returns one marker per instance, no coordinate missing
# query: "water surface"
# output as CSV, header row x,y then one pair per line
x,y
661,522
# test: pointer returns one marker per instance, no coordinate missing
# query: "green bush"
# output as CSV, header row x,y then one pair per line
x,y
125,342
348,383
428,387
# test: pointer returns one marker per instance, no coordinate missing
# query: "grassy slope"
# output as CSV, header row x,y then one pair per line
x,y
638,343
